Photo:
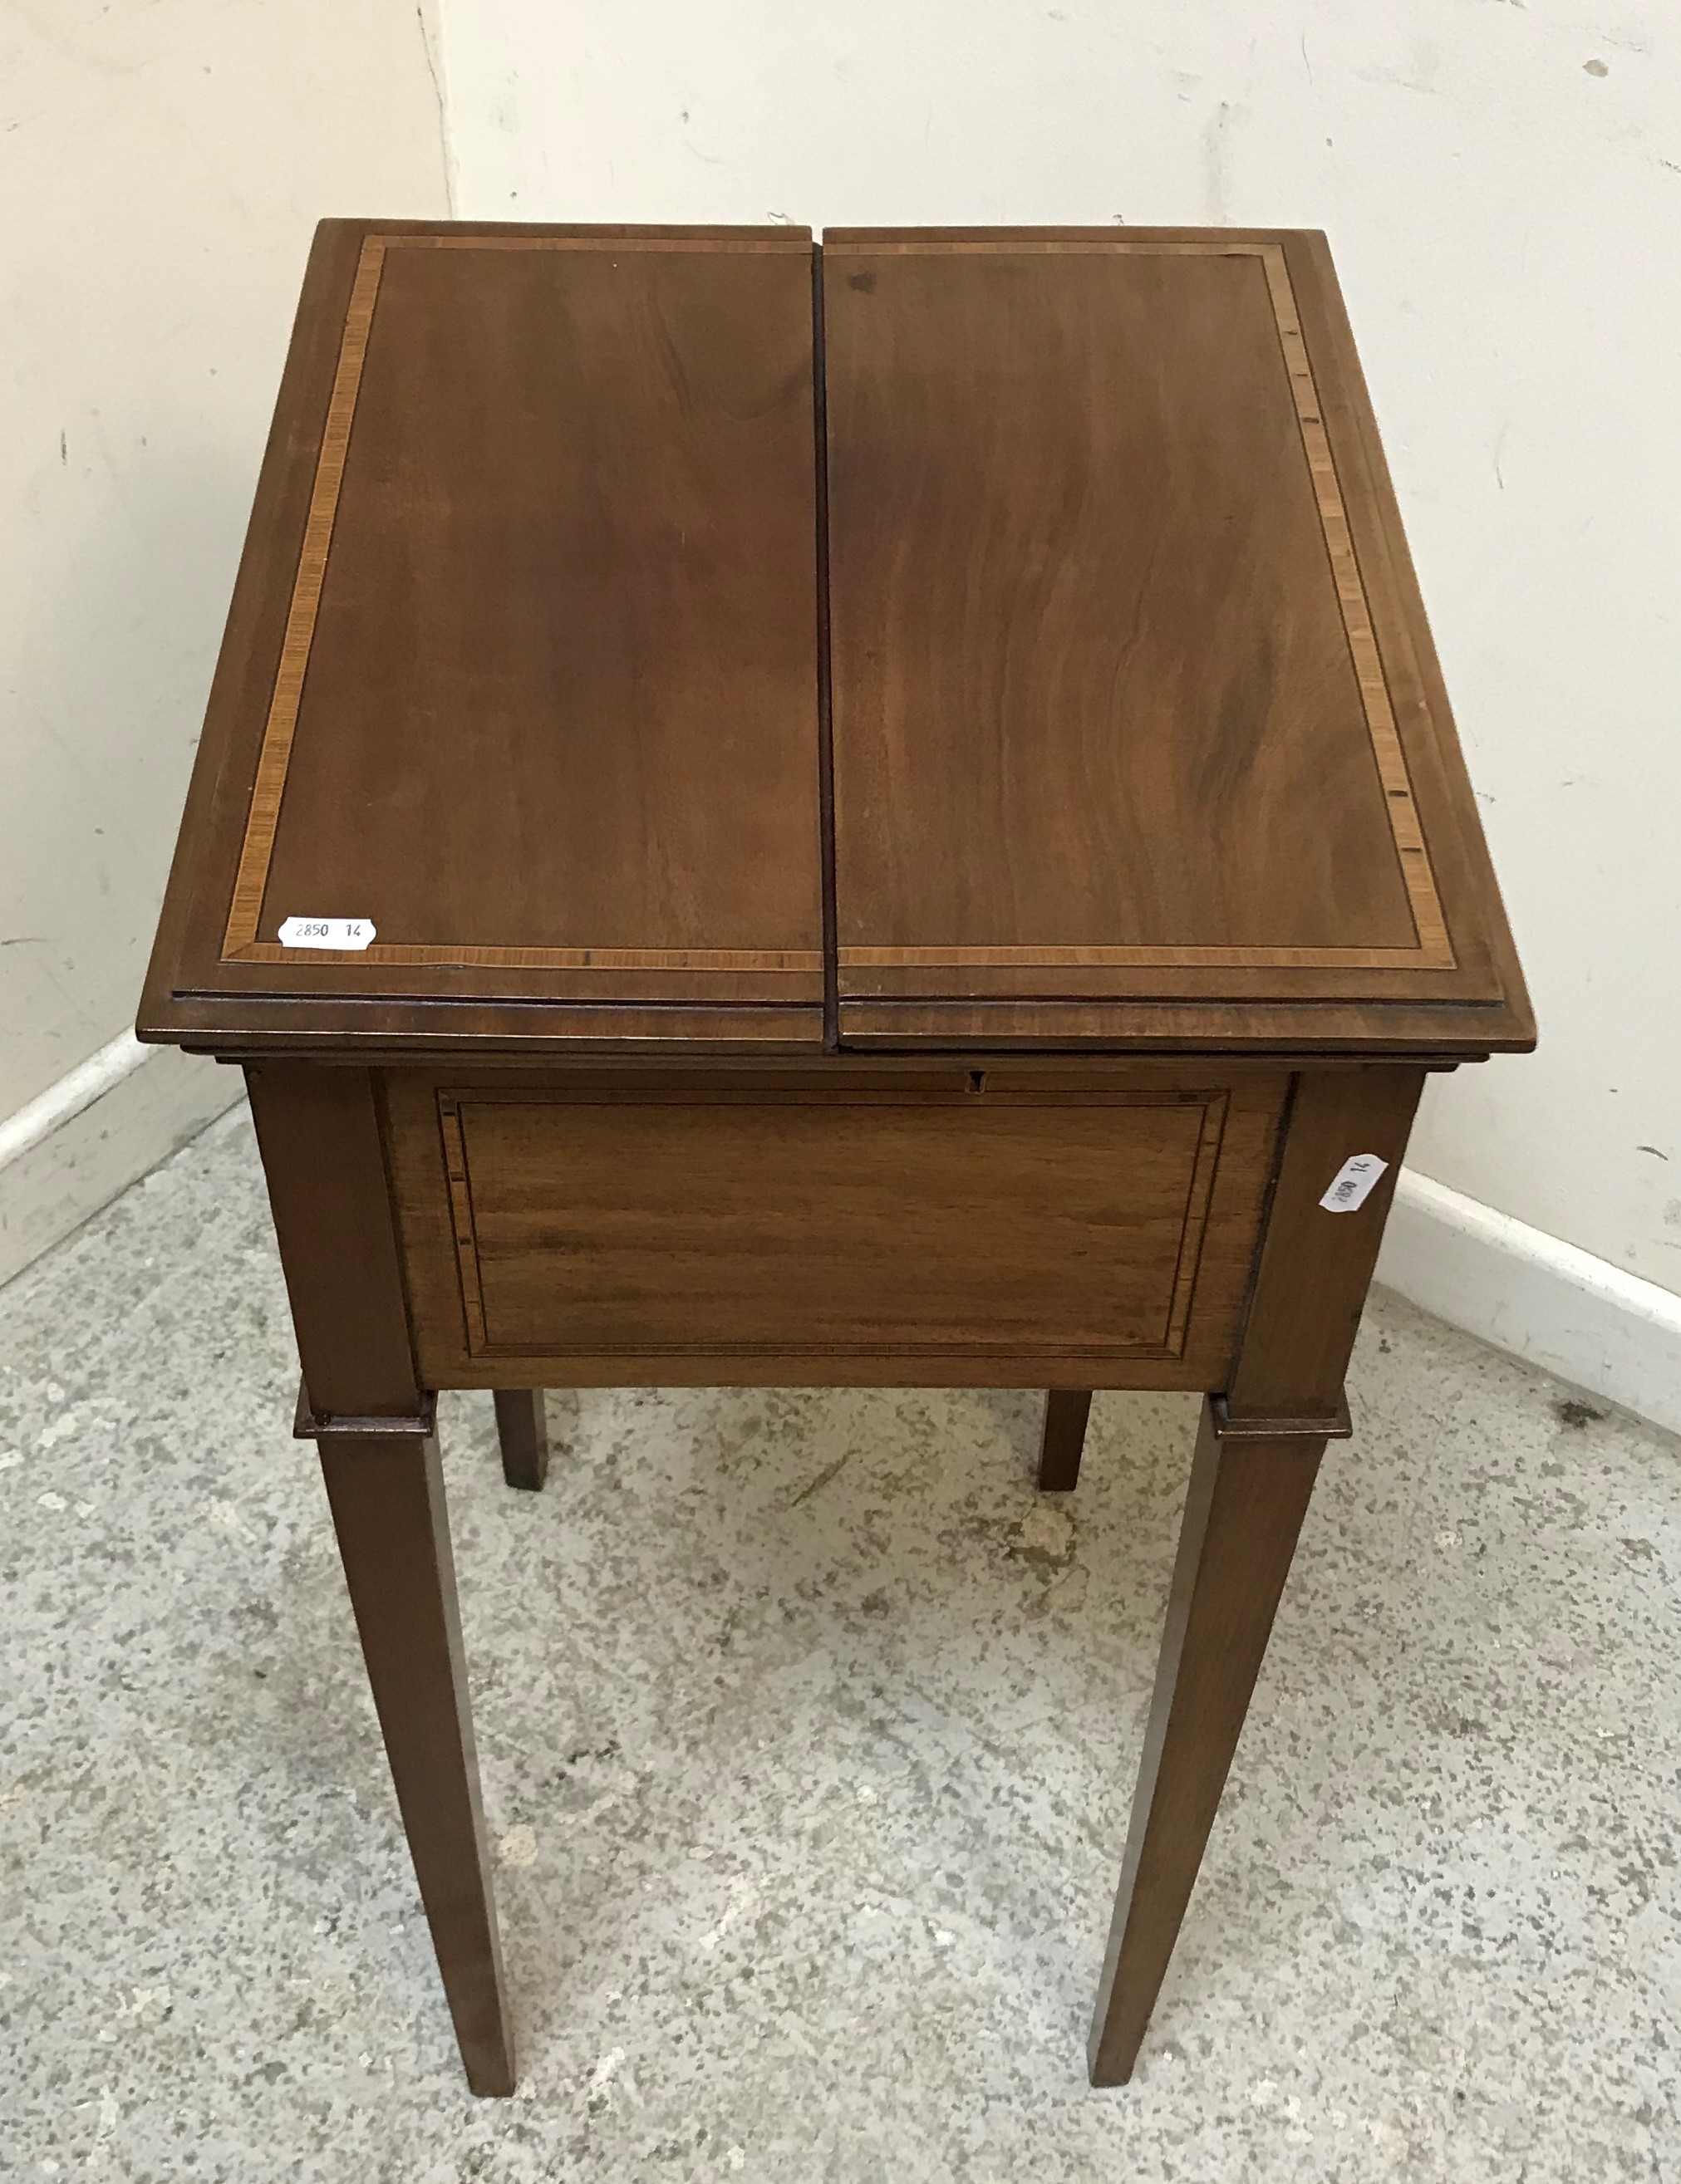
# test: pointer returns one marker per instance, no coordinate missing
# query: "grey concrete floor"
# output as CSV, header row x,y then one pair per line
x,y
808,1736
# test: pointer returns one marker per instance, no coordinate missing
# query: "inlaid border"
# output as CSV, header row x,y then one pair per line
x,y
1434,950
240,942
1193,1228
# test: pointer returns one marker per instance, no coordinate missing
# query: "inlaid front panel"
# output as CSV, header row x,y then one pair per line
x,y
896,1235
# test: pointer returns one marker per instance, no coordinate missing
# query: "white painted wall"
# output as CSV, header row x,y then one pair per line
x,y
161,168
1502,186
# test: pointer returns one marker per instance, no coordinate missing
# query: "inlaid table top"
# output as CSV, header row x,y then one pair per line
x,y
937,639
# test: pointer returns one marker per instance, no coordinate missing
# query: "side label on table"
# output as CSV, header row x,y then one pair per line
x,y
1351,1185
327,933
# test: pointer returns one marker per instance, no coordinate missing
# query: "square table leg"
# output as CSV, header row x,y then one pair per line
x,y
1258,1454
318,1130
1245,1507
386,1490
1063,1439
522,1429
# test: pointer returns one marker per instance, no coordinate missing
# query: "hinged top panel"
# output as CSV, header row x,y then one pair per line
x,y
1137,732
548,616
521,673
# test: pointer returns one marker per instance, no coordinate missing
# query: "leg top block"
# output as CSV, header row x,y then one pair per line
x,y
1333,1427
307,1426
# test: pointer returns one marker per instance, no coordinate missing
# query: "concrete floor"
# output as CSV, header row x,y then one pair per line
x,y
808,1736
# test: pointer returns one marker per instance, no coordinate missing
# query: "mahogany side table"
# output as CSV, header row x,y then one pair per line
x,y
881,814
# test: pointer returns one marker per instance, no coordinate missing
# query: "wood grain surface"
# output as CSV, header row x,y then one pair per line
x,y
1112,720
321,1136
386,1492
1061,1440
1137,628
568,542
892,1233
1243,1512
522,1430
543,706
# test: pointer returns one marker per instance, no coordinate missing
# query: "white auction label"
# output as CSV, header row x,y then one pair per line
x,y
1351,1185
327,933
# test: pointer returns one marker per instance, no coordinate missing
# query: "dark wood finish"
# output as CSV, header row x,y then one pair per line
x,y
557,1235
386,1494
1114,714
1256,1460
1154,707
1063,1439
1310,802
319,1132
1404,626
913,825
236,1030
1335,1031
1315,1266
1247,1501
831,993
522,1430
568,543
689,1220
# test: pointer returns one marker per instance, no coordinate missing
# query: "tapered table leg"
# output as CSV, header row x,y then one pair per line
x,y
522,1429
364,1408
387,1493
1064,1441
1248,1494
1257,1457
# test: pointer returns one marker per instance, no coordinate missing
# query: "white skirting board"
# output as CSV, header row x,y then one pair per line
x,y
1546,1302
95,1132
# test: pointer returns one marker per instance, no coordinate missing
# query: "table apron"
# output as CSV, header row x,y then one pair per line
x,y
557,1235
